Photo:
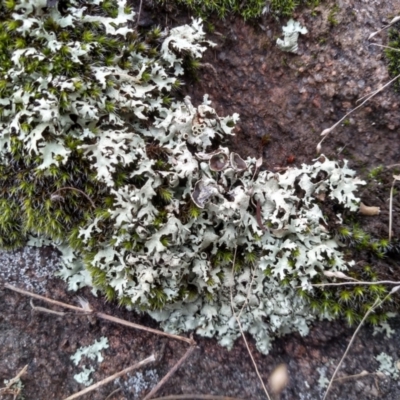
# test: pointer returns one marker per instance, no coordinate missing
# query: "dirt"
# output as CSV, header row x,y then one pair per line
x,y
285,101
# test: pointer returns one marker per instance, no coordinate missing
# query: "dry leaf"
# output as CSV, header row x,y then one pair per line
x,y
366,210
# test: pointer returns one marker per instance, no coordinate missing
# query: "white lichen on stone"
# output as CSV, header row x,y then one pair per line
x,y
178,262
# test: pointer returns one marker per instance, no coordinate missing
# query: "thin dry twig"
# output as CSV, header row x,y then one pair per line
x,y
140,364
385,47
8,389
352,283
241,329
100,315
138,14
195,397
46,310
112,393
356,376
170,372
78,190
326,132
38,296
143,328
394,20
248,294
396,178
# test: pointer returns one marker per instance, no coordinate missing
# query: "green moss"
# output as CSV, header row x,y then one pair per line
x,y
393,53
332,15
376,172
284,8
350,303
249,9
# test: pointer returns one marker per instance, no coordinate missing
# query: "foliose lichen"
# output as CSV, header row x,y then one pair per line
x,y
135,187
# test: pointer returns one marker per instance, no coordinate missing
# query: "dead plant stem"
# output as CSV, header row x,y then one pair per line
x,y
391,209
356,376
352,283
138,14
385,47
140,364
143,328
376,304
326,132
100,315
241,330
77,190
170,372
11,382
38,296
46,310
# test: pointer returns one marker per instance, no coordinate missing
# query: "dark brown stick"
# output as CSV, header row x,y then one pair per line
x,y
143,328
78,190
170,373
101,315
112,377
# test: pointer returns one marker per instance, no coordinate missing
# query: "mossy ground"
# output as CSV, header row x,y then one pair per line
x,y
248,10
393,53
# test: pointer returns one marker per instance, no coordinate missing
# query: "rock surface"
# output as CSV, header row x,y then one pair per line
x,y
285,102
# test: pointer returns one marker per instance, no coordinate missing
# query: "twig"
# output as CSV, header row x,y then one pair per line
x,y
352,283
112,393
248,293
376,304
170,372
140,364
101,315
143,328
385,47
78,190
195,397
356,376
138,15
396,178
7,388
38,296
241,330
46,310
326,132
394,20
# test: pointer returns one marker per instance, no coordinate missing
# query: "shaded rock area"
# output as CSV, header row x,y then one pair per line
x,y
285,101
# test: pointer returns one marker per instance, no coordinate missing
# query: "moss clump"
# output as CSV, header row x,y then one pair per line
x,y
246,9
393,53
351,302
52,103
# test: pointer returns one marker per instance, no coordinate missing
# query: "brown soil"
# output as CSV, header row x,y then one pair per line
x,y
285,101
